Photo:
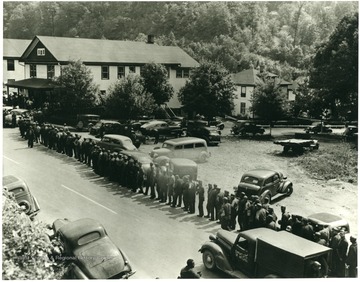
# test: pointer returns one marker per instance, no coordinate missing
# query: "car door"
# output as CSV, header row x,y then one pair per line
x,y
242,253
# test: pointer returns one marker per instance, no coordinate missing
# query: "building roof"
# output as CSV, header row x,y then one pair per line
x,y
250,77
87,50
14,48
33,83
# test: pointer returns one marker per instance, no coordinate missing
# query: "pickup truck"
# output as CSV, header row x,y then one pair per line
x,y
263,252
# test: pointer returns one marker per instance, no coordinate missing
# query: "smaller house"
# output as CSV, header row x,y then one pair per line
x,y
246,81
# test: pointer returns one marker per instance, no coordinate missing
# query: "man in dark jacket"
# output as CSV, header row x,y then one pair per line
x,y
201,192
188,271
351,259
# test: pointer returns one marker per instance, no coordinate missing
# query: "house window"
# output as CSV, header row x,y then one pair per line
x,y
32,70
41,51
10,65
243,91
50,71
105,72
102,92
141,70
178,73
186,73
121,72
242,108
131,69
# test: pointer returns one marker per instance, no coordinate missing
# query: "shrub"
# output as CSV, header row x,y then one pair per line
x,y
26,248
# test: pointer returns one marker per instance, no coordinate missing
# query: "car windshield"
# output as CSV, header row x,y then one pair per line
x,y
168,146
127,143
90,237
250,180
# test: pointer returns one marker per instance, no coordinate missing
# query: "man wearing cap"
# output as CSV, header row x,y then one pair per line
x,y
201,192
341,252
150,181
188,271
285,218
351,259
241,210
210,187
225,214
177,201
212,202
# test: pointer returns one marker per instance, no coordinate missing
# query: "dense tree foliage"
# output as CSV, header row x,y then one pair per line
x,y
234,33
335,69
155,81
26,249
128,99
76,89
209,91
269,102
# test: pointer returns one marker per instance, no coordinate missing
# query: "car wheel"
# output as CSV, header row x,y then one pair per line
x,y
25,206
209,260
267,199
290,190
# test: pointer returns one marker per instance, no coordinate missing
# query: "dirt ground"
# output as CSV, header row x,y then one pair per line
x,y
233,157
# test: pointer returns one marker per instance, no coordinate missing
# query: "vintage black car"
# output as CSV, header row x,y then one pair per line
x,y
318,127
159,128
244,128
103,127
264,183
85,121
200,129
90,251
22,194
116,143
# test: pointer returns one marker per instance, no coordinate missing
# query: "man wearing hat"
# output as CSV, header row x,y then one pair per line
x,y
241,210
260,216
212,201
351,259
342,251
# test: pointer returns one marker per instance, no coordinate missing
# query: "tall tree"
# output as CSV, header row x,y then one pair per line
x,y
77,89
155,81
269,102
128,99
209,91
335,68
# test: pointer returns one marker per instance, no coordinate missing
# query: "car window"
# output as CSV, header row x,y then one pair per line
x,y
199,145
276,177
116,141
268,181
90,237
127,143
250,180
17,190
106,139
243,243
188,146
169,146
178,147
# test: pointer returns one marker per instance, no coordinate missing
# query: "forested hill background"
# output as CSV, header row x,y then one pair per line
x,y
283,35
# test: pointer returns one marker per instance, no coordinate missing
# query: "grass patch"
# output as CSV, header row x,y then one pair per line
x,y
331,161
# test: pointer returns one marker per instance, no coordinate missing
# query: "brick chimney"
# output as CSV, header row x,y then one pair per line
x,y
151,39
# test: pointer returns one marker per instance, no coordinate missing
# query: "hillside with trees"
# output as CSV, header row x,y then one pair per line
x,y
281,34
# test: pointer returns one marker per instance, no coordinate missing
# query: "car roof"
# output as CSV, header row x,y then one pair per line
x,y
324,218
182,162
11,181
184,140
117,136
73,230
139,156
260,173
153,122
19,111
108,121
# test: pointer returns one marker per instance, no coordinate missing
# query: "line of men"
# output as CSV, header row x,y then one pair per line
x,y
177,191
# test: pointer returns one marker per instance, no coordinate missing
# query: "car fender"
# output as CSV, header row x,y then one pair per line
x,y
77,273
221,261
284,186
264,195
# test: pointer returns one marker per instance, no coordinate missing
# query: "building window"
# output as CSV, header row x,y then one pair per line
x,y
32,70
242,108
41,51
50,71
131,69
243,91
10,65
102,92
141,70
121,72
105,72
186,73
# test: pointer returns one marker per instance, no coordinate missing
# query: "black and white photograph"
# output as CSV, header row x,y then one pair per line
x,y
179,139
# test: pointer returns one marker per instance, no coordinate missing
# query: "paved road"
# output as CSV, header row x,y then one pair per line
x,y
157,239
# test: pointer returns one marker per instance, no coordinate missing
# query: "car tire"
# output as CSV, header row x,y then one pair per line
x,y
26,205
209,260
290,190
267,199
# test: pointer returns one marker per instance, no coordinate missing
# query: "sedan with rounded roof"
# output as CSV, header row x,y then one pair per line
x,y
91,253
265,184
116,143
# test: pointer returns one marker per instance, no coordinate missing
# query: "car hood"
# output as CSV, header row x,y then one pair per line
x,y
102,260
160,152
248,188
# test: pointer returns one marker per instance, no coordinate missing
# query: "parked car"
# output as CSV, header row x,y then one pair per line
x,y
264,183
141,157
196,128
244,128
179,166
185,147
298,145
156,128
20,114
318,127
262,253
115,142
103,127
216,122
350,133
86,121
22,195
90,251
